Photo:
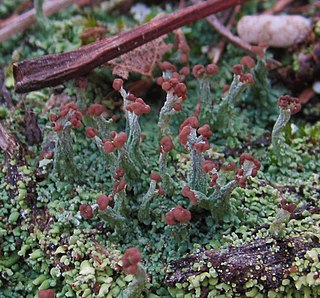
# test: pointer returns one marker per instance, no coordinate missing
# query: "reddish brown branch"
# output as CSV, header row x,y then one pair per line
x,y
24,21
52,70
214,21
223,41
225,31
279,6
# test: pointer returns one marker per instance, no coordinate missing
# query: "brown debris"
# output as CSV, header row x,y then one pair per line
x,y
33,132
13,151
7,141
141,60
306,95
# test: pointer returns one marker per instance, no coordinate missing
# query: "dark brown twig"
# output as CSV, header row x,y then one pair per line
x,y
52,70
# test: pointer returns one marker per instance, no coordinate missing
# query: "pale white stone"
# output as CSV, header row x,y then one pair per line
x,y
316,87
276,31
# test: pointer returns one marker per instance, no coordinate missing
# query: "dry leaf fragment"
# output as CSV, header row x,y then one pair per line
x,y
142,60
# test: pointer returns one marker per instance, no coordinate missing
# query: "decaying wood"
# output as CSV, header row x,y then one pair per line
x,y
267,258
13,151
52,70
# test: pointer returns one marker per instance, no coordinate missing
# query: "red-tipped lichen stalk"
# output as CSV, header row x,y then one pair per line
x,y
177,220
166,145
195,139
176,94
204,75
131,264
223,112
288,106
132,158
218,202
68,118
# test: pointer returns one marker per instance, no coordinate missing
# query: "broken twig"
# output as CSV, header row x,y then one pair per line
x,y
222,42
279,6
214,21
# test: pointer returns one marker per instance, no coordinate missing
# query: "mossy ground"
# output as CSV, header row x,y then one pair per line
x,y
45,243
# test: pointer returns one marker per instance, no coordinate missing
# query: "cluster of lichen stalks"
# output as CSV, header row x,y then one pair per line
x,y
208,185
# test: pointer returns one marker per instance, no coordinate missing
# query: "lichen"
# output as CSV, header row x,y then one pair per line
x,y
234,238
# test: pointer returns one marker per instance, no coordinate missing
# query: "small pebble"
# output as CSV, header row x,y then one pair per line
x,y
316,87
276,31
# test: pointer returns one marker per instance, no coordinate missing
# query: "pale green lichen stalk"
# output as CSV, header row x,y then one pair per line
x,y
137,285
288,106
